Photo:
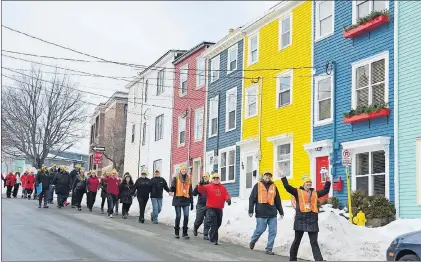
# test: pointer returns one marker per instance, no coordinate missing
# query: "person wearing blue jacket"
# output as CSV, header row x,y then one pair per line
x,y
201,210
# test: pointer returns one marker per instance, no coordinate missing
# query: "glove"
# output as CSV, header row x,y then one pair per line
x,y
229,202
250,214
191,206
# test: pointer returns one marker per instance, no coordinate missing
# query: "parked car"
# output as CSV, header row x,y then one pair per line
x,y
405,247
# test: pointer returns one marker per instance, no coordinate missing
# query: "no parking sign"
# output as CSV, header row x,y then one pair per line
x,y
346,157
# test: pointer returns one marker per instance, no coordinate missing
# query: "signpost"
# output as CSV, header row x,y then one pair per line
x,y
97,158
98,148
346,161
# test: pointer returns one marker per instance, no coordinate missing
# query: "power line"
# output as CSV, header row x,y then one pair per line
x,y
52,57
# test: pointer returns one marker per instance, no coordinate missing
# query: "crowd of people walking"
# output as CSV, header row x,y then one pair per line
x,y
264,202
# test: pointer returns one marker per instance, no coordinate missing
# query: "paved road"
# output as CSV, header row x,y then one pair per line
x,y
67,234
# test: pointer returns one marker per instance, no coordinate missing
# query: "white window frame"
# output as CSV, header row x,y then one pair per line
x,y
227,150
162,128
354,8
154,165
255,35
232,91
247,100
145,87
209,154
369,175
277,143
133,136
370,60
180,129
288,16
197,113
184,70
316,100
215,67
318,37
200,73
229,58
418,168
160,82
278,77
144,128
216,98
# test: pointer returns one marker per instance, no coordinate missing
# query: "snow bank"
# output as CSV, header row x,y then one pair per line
x,y
338,239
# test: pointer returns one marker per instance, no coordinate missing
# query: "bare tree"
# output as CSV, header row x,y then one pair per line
x,y
114,142
7,160
40,114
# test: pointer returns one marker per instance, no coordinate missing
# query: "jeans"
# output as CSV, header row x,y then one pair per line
x,y
178,217
215,219
261,224
200,218
156,207
313,243
103,202
50,193
111,201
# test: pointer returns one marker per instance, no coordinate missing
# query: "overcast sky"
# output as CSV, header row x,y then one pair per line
x,y
130,32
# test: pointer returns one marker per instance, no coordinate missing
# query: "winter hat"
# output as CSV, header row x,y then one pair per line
x,y
145,172
216,175
183,166
305,179
206,175
114,171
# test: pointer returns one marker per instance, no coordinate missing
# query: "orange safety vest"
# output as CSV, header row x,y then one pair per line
x,y
307,205
266,196
182,189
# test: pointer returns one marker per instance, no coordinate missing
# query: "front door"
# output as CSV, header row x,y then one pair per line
x,y
250,180
196,172
322,170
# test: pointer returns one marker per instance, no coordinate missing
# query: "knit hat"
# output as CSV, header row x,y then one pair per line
x,y
306,179
144,172
206,175
216,175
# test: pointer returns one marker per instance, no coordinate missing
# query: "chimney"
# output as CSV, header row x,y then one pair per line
x,y
230,30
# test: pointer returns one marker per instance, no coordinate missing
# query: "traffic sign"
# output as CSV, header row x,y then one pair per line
x,y
346,157
97,157
98,148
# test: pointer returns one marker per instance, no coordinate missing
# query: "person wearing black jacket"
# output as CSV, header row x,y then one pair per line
x,y
62,183
103,191
143,188
53,172
201,210
265,197
74,174
79,188
45,178
125,194
158,185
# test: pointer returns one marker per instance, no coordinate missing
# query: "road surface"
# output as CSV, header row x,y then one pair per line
x,y
33,234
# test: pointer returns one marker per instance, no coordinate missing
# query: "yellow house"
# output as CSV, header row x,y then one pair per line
x,y
276,116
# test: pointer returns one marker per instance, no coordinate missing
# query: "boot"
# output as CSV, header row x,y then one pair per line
x,y
177,232
185,235
195,231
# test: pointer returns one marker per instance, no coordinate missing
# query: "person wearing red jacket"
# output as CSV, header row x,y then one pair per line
x,y
113,183
23,181
29,184
93,186
10,183
217,195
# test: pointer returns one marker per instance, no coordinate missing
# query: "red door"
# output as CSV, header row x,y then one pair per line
x,y
322,166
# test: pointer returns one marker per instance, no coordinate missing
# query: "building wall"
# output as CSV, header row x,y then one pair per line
x,y
345,52
294,118
409,95
226,139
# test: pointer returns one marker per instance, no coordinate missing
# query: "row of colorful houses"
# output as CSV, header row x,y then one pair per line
x,y
290,91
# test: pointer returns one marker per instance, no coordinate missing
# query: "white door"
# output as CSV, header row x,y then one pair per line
x,y
196,172
250,169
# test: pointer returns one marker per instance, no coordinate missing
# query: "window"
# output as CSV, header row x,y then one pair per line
x,y
370,82
160,82
146,91
183,80
136,93
92,134
210,162
286,32
231,109
133,132
215,69
126,106
284,86
159,127
418,166
213,116
283,158
232,58
323,104
371,172
157,165
144,134
142,168
198,124
227,164
251,101
324,18
364,8
200,72
97,126
253,49
181,131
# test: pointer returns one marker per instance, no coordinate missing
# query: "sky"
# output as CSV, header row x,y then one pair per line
x,y
128,32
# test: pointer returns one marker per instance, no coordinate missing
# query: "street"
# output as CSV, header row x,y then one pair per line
x,y
67,234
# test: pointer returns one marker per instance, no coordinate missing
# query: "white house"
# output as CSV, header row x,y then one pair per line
x,y
149,118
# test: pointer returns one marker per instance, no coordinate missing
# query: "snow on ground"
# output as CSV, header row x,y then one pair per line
x,y
338,239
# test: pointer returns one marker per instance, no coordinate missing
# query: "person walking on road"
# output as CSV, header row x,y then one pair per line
x,y
158,185
217,195
142,187
112,191
201,210
43,177
53,172
182,193
17,184
29,184
265,197
307,213
10,183
79,186
23,183
103,191
62,182
125,194
92,186
74,174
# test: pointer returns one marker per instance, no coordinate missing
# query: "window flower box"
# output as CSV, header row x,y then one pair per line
x,y
366,26
367,116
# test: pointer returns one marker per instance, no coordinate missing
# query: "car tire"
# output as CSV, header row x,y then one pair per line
x,y
409,258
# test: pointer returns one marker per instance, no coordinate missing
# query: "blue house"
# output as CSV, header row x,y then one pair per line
x,y
223,109
354,69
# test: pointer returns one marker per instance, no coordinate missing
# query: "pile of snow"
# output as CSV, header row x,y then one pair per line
x,y
338,239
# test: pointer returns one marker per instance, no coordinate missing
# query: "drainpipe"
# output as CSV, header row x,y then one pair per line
x,y
335,146
188,114
218,133
140,129
260,85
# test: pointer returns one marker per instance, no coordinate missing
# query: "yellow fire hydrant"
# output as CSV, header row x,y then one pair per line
x,y
360,219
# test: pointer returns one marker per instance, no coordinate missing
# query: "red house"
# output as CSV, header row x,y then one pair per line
x,y
188,134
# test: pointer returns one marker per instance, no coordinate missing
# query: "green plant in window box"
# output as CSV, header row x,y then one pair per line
x,y
369,17
366,109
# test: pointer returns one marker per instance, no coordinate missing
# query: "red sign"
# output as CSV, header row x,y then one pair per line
x,y
97,158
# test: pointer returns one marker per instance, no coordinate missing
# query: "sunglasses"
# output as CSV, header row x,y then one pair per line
x,y
216,178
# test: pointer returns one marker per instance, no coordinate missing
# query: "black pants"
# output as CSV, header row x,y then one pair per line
x,y
29,193
142,205
126,208
103,202
91,196
202,218
117,203
43,195
73,202
79,197
15,190
61,198
215,218
9,191
313,242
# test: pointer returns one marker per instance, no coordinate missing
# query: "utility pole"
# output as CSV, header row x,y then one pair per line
x,y
140,129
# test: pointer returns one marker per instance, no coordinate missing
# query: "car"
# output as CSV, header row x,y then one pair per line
x,y
405,247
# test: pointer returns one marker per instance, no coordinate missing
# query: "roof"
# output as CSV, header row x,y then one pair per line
x,y
192,51
224,43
